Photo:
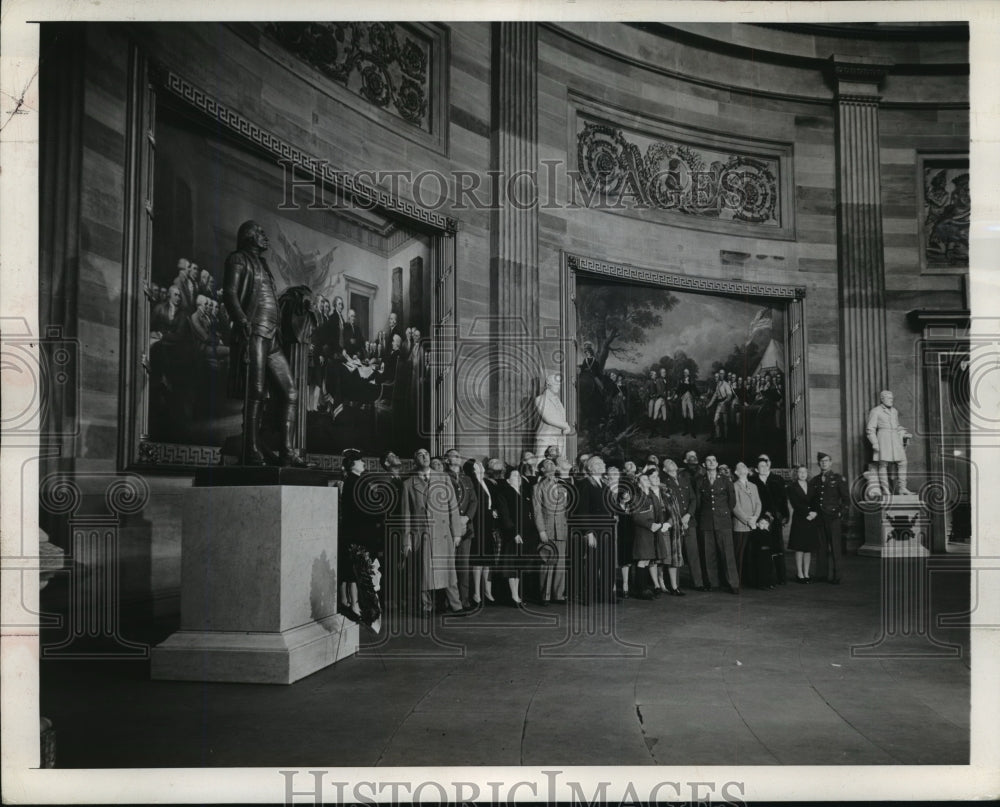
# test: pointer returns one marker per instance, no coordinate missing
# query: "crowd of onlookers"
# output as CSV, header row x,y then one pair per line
x,y
597,533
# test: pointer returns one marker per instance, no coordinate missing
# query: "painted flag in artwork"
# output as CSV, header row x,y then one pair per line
x,y
761,322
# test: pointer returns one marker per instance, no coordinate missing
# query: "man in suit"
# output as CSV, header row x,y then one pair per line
x,y
550,504
468,504
186,283
393,328
328,340
597,549
354,340
390,363
829,496
715,500
774,506
689,475
433,530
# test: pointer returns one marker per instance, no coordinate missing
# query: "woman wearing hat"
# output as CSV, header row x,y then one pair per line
x,y
482,553
359,542
677,497
516,544
648,523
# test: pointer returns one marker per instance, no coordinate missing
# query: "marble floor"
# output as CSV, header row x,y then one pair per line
x,y
763,678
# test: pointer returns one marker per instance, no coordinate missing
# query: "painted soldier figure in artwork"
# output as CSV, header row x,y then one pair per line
x,y
888,440
251,299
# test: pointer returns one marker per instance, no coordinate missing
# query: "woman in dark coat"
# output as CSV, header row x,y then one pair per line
x,y
621,495
531,585
482,553
647,523
358,545
672,546
802,537
515,520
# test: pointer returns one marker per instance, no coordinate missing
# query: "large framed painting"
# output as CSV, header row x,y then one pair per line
x,y
668,363
945,207
362,275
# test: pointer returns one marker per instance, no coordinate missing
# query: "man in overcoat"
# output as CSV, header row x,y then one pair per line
x,y
433,531
468,505
595,553
550,503
773,505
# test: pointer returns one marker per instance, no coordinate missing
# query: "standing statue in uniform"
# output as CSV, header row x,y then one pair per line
x,y
888,440
258,363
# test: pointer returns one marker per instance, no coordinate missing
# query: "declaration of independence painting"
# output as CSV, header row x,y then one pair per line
x,y
365,280
664,372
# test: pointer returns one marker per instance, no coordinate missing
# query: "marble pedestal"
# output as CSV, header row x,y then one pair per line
x,y
900,528
258,587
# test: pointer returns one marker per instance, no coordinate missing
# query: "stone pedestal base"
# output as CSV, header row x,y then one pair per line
x,y
254,658
899,528
258,587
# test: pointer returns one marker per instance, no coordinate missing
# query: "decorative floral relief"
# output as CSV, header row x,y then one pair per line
x,y
380,61
665,175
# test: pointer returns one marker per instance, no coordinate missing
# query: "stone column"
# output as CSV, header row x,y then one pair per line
x,y
514,234
863,348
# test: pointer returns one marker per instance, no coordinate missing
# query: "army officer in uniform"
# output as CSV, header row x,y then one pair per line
x,y
715,499
828,496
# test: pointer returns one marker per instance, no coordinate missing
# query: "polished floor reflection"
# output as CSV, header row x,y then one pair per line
x,y
765,678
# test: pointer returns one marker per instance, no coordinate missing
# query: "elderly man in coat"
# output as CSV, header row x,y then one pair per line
x,y
434,529
888,440
550,504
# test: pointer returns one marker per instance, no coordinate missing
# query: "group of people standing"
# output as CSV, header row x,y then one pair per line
x,y
552,530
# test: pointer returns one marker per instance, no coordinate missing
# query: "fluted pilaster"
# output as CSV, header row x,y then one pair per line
x,y
514,231
864,354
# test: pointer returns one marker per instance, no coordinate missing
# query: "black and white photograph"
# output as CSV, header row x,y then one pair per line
x,y
555,407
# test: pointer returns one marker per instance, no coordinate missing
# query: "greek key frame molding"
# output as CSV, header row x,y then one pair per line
x,y
246,129
625,271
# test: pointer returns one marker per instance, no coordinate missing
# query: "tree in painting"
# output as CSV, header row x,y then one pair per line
x,y
612,323
616,320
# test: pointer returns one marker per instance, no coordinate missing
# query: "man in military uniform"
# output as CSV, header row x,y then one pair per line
x,y
251,300
715,499
830,497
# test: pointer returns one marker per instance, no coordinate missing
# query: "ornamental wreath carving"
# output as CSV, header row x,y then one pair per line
x,y
617,171
383,62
